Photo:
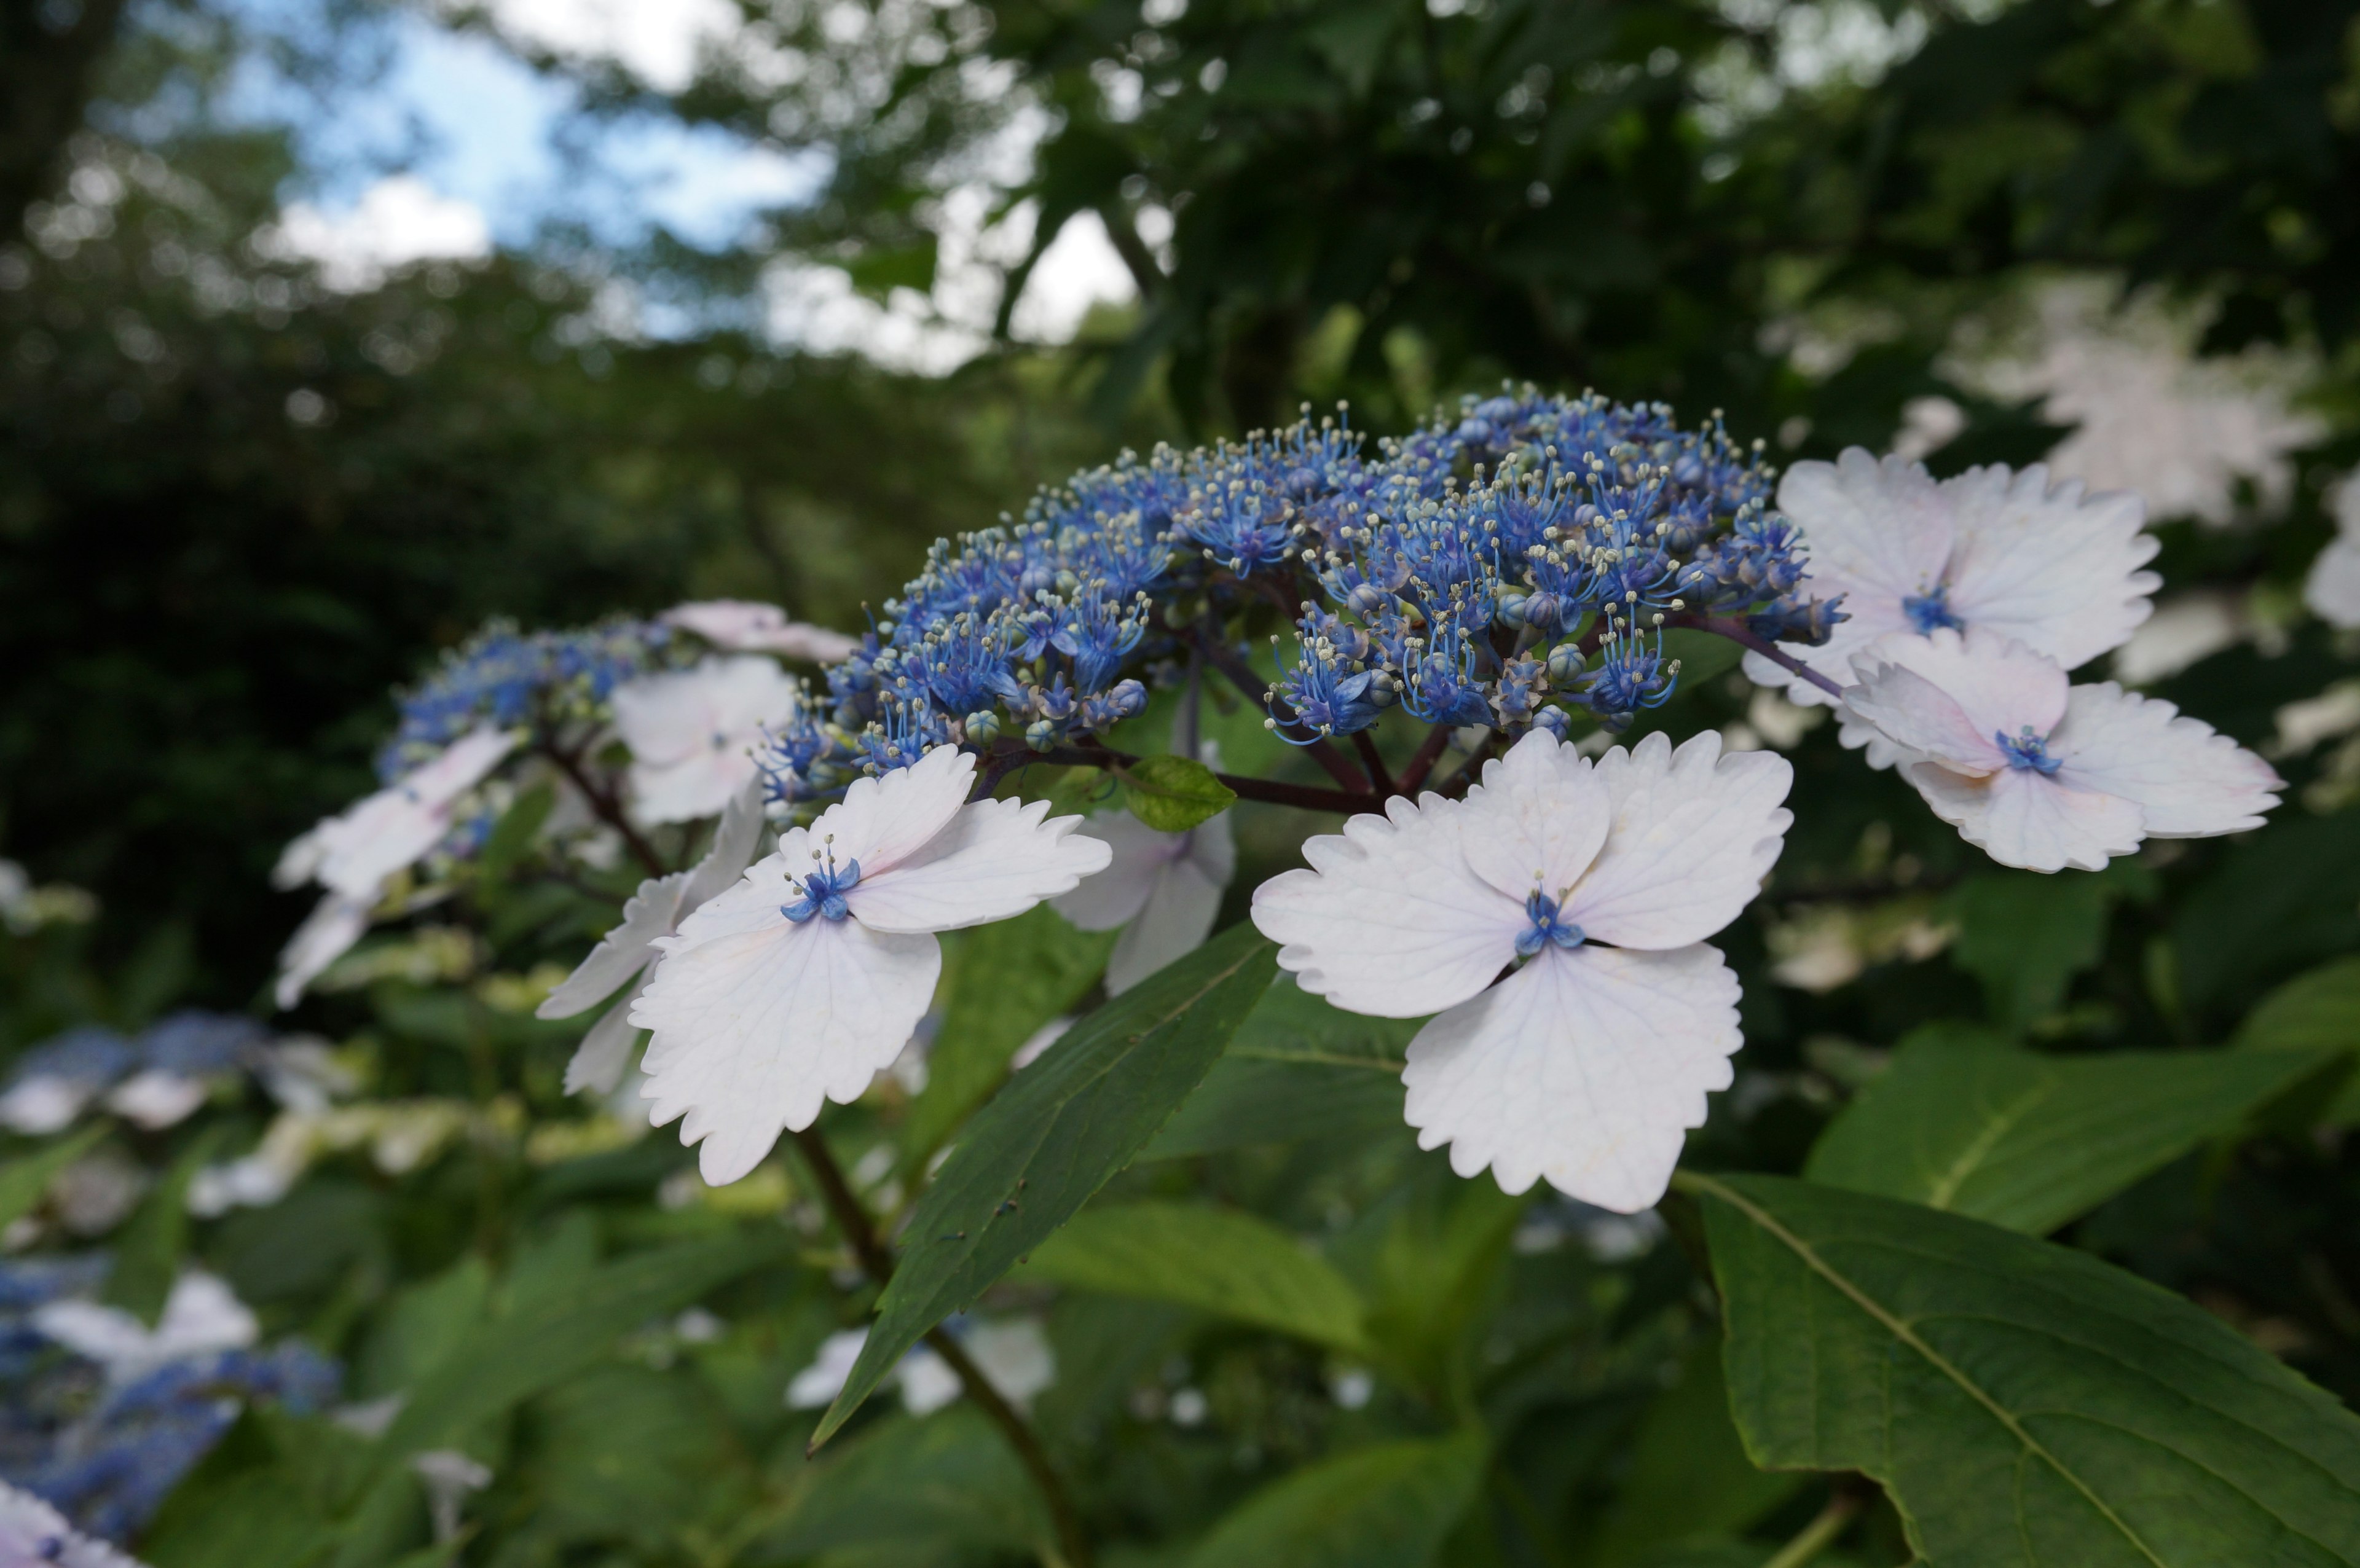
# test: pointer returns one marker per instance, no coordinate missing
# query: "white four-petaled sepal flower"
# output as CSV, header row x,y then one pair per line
x,y
798,985
2042,775
745,625
691,733
357,851
620,960
1162,888
327,934
2057,570
1586,1064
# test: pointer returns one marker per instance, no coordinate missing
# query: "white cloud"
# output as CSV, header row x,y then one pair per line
x,y
398,221
659,41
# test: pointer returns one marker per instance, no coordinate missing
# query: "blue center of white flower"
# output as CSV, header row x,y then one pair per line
x,y
1545,927
2029,751
823,890
1929,611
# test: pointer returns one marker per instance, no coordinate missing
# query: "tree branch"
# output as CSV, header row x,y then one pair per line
x,y
877,1262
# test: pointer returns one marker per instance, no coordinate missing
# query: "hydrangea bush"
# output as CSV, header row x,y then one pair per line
x,y
1270,920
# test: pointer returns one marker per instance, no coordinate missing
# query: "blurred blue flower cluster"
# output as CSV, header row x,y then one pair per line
x,y
106,1444
1510,566
504,676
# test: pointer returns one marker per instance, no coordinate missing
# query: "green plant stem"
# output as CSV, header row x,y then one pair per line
x,y
1820,1534
1421,763
844,1206
609,808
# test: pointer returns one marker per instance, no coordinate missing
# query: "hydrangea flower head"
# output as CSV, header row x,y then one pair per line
x,y
2056,569
1586,1064
2042,775
693,731
802,980
621,959
355,852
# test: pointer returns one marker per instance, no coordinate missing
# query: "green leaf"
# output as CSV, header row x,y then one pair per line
x,y
1298,1068
518,829
513,1357
1689,1477
148,1254
2026,936
1045,1143
2024,1404
950,1476
1173,794
25,1179
2029,1141
1389,1505
2317,1011
1002,981
1216,1260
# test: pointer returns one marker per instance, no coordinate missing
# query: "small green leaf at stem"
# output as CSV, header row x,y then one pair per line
x,y
1173,794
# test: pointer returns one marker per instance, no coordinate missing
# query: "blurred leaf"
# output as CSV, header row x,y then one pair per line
x,y
629,1452
1426,1258
1216,1260
1033,1156
2317,1011
1298,1068
147,1253
25,1179
423,1326
2278,900
1389,1505
950,1476
1688,1475
1173,794
552,1338
2022,1403
244,1520
1001,984
2026,936
516,833
1702,656
878,271
2029,1141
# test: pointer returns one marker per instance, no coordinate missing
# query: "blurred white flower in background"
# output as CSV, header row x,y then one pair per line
x,y
743,625
2332,591
1013,1353
202,1316
35,1535
691,733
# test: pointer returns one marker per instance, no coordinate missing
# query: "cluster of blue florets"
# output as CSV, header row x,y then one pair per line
x,y
505,677
1511,566
187,1044
107,1454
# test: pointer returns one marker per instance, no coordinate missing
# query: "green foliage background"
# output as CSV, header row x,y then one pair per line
x,y
203,599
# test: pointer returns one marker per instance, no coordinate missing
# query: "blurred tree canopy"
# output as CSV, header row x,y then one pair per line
x,y
238,503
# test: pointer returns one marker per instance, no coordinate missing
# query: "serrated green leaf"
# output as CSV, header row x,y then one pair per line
x,y
2025,1405
2317,1011
2029,1141
1173,794
24,1179
1389,1505
1001,984
511,1358
1215,1260
1034,1155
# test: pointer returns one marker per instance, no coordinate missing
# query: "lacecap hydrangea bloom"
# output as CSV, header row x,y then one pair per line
x,y
691,733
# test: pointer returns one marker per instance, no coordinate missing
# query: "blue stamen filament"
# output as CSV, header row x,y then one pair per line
x,y
1545,927
1931,610
2028,751
823,890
